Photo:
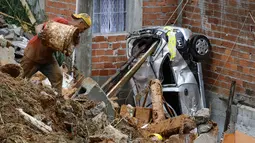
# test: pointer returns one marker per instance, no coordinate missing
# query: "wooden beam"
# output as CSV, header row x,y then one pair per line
x,y
29,12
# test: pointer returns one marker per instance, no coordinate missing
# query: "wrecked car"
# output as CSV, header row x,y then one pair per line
x,y
175,62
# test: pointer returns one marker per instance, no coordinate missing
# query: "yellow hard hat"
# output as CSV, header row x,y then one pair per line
x,y
83,16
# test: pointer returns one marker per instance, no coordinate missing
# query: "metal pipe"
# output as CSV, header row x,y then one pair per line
x,y
201,85
132,71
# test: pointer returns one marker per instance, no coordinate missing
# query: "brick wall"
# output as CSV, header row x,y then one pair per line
x,y
63,8
221,21
108,54
157,12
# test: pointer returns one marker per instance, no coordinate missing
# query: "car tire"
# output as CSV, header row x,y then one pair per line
x,y
200,48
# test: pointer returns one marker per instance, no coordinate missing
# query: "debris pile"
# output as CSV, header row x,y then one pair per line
x,y
13,41
33,113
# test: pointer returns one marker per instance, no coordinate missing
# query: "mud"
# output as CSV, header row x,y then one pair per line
x,y
13,70
67,118
19,93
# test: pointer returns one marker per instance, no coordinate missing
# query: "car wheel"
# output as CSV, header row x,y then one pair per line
x,y
200,48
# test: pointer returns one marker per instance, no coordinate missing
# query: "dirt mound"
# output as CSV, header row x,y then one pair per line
x,y
66,118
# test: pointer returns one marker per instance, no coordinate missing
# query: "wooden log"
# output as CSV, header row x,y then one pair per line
x,y
40,125
157,101
178,125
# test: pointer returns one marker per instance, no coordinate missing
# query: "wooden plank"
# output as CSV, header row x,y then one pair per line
x,y
29,12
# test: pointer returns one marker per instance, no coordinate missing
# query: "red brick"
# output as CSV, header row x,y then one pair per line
x,y
112,39
121,52
151,10
100,52
95,72
97,66
109,52
111,72
103,73
123,45
95,59
121,38
95,46
103,45
168,9
115,45
252,71
108,65
99,39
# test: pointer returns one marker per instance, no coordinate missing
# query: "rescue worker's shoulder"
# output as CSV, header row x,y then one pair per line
x,y
60,20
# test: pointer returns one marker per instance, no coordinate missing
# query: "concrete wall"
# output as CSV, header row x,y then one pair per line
x,y
242,117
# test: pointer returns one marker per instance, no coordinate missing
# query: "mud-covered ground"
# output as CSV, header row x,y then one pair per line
x,y
66,117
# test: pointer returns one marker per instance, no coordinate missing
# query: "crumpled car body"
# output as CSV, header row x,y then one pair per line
x,y
173,67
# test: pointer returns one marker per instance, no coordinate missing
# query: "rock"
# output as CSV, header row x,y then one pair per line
x,y
10,36
96,110
204,128
202,116
4,32
101,120
206,138
6,55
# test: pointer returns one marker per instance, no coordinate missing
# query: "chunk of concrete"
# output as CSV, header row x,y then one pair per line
x,y
202,116
204,128
206,138
7,56
96,110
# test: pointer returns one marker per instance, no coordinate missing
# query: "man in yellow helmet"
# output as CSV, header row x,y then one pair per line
x,y
38,57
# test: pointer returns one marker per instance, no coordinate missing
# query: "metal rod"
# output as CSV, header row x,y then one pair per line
x,y
133,70
201,85
230,101
123,70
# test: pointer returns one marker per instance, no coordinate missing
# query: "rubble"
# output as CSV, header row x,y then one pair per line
x,y
96,110
180,124
204,128
202,116
67,119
